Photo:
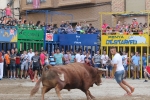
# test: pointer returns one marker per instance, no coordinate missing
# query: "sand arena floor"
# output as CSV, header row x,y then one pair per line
x,y
109,90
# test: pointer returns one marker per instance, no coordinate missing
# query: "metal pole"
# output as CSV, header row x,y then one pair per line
x,y
141,62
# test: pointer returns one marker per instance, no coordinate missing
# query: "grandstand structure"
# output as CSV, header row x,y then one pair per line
x,y
131,42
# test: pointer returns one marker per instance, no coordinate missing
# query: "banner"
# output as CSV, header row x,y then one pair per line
x,y
8,35
78,39
36,3
49,37
30,34
125,40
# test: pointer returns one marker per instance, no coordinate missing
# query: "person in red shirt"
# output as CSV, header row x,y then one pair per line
x,y
17,62
147,73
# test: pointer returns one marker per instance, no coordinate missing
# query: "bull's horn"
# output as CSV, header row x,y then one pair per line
x,y
102,69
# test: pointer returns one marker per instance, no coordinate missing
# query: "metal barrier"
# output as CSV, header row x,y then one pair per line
x,y
30,39
8,37
71,42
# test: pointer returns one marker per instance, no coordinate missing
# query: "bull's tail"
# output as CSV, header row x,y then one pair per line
x,y
36,87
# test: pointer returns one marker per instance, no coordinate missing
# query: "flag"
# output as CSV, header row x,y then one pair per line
x,y
36,3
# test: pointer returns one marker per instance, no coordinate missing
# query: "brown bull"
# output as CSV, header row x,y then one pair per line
x,y
71,76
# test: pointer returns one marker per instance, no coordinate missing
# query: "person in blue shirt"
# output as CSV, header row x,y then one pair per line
x,y
72,57
58,57
52,60
144,59
136,65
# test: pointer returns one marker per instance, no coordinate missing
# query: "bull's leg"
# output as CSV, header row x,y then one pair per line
x,y
44,90
87,94
58,89
91,95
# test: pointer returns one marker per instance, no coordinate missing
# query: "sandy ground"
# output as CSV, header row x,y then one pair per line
x,y
109,90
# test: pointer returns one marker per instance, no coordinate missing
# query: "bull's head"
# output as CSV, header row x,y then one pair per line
x,y
98,76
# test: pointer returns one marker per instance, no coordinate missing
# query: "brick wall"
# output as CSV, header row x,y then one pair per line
x,y
91,15
118,5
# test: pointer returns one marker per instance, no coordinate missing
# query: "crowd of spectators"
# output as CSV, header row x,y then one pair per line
x,y
7,21
17,64
125,28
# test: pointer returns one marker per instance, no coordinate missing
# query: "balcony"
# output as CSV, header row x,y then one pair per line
x,y
29,6
75,2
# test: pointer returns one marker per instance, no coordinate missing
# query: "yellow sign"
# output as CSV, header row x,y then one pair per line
x,y
125,40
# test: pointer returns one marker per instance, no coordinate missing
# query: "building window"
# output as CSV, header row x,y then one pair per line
x,y
31,1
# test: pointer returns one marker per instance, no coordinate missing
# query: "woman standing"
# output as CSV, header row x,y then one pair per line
x,y
1,65
78,28
8,10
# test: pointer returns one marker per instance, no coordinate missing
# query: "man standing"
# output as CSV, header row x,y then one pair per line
x,y
124,61
136,68
58,57
24,65
17,62
1,65
118,71
83,56
78,56
30,55
12,63
97,60
67,57
52,60
42,59
144,59
104,59
36,65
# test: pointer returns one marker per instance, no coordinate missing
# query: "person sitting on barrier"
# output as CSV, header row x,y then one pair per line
x,y
147,72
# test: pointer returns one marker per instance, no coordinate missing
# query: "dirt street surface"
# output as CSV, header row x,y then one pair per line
x,y
109,90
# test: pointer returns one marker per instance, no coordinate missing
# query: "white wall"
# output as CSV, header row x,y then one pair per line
x,y
3,5
16,5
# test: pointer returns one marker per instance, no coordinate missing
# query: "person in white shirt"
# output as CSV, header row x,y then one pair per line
x,y
78,57
30,55
104,59
124,62
118,71
83,56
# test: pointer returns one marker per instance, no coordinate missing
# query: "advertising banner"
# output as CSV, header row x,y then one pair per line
x,y
125,40
78,39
